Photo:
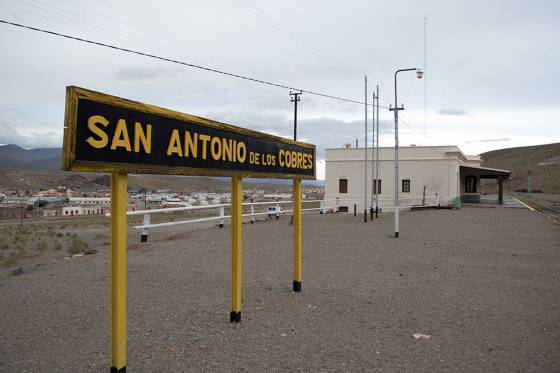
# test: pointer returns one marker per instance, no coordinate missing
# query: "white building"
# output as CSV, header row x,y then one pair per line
x,y
424,171
91,209
85,210
90,200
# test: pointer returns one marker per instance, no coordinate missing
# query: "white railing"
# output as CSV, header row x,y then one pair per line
x,y
324,206
221,214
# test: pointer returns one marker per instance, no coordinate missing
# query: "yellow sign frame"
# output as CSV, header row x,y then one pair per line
x,y
70,163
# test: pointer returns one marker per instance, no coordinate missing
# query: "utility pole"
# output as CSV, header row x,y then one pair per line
x,y
396,204
295,99
296,209
372,155
365,149
529,184
377,155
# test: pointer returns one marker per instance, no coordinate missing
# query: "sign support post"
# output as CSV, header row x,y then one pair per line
x,y
236,257
117,318
296,198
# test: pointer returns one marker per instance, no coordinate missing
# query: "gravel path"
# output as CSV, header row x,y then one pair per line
x,y
483,282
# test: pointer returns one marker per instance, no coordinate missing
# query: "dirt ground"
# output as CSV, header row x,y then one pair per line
x,y
484,283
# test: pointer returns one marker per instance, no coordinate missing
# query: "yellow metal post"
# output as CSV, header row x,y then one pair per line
x,y
236,211
117,319
296,198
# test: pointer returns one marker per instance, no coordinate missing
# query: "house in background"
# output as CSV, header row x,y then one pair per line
x,y
424,172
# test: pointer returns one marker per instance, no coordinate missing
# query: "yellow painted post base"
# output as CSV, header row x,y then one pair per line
x,y
117,275
236,234
296,199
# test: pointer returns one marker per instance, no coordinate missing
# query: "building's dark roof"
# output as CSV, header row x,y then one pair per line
x,y
486,172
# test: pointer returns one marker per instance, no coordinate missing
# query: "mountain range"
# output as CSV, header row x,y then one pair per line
x,y
41,168
15,157
542,161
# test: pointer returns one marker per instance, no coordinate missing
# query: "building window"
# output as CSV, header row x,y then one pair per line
x,y
343,186
470,184
376,186
406,185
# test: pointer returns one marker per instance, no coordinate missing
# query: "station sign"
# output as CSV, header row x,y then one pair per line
x,y
105,133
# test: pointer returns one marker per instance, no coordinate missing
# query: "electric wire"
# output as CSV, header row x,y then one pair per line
x,y
414,131
274,23
204,55
70,18
171,60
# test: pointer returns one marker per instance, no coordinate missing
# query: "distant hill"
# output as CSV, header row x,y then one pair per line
x,y
542,160
15,157
41,168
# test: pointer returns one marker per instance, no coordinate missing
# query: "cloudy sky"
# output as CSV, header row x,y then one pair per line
x,y
490,79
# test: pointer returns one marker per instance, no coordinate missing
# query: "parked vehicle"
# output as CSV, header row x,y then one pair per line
x,y
172,199
275,211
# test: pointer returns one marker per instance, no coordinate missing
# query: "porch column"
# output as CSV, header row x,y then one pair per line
x,y
500,190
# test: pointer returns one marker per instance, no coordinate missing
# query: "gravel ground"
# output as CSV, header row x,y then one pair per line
x,y
549,204
484,283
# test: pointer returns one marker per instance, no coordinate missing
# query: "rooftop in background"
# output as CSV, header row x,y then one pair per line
x,y
405,152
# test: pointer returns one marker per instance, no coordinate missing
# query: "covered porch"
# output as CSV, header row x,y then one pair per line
x,y
470,177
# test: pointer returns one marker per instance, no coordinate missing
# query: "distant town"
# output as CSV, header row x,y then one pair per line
x,y
66,202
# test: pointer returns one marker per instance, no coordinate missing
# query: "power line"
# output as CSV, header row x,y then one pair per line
x,y
66,36
202,55
113,31
414,131
274,23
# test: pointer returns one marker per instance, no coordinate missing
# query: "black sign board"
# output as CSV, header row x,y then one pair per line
x,y
111,134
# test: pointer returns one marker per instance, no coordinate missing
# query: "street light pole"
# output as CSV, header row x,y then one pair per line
x,y
396,109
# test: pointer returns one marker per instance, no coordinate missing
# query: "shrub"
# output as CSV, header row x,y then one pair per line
x,y
59,234
23,231
57,246
19,251
11,260
20,239
41,245
50,231
77,245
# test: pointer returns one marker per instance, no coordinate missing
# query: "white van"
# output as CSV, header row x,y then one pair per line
x,y
275,211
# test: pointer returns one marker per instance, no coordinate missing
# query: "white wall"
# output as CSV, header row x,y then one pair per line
x,y
428,167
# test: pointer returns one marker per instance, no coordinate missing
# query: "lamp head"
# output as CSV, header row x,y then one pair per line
x,y
419,74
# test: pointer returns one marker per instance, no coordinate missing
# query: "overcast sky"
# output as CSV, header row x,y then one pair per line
x,y
490,79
